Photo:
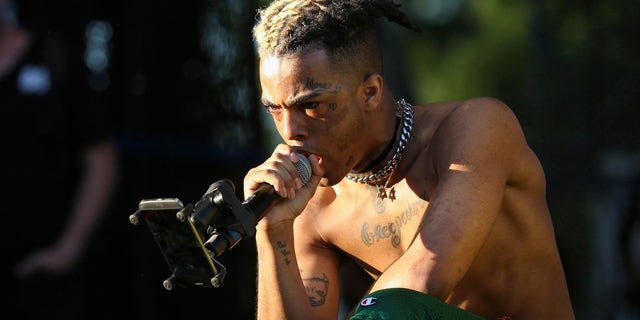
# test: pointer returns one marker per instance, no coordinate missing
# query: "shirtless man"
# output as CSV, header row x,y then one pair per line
x,y
443,204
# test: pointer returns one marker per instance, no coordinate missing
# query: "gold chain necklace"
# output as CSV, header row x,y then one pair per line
x,y
404,110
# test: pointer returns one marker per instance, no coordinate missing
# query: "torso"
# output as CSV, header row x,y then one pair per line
x,y
519,250
47,120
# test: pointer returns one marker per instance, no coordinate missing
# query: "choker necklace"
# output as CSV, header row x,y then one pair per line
x,y
387,149
405,111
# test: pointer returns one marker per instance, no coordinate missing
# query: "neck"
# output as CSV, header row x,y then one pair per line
x,y
379,161
405,110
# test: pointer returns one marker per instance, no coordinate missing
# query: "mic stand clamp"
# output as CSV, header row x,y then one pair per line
x,y
219,217
223,218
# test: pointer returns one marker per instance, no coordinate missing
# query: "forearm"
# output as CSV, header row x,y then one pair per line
x,y
417,272
281,293
88,208
94,193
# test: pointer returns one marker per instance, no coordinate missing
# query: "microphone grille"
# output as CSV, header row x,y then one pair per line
x,y
304,168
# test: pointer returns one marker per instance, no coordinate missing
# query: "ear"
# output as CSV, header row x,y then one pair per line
x,y
372,90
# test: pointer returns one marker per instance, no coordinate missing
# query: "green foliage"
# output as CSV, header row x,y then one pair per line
x,y
478,53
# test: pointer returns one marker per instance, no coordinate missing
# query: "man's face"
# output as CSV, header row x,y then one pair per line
x,y
314,108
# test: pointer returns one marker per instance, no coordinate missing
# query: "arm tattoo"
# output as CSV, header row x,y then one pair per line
x,y
317,289
282,245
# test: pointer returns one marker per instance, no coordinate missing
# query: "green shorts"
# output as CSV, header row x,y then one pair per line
x,y
402,303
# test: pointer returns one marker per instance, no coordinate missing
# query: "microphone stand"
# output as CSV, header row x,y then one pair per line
x,y
219,217
224,218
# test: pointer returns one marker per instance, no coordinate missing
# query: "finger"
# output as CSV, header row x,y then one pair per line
x,y
293,172
278,170
316,165
288,174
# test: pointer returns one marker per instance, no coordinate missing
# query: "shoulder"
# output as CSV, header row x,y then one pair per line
x,y
475,118
478,129
487,109
479,110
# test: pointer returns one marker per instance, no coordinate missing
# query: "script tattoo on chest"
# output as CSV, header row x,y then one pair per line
x,y
393,230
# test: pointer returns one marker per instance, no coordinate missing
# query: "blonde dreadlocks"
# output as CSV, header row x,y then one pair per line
x,y
345,28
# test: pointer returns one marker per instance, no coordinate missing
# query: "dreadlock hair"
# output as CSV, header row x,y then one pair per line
x,y
346,29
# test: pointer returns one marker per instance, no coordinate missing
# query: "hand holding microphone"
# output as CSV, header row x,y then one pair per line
x,y
265,196
228,230
278,171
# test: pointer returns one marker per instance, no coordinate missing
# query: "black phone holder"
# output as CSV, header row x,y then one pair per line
x,y
193,237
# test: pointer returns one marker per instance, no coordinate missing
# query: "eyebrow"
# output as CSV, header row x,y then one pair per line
x,y
296,100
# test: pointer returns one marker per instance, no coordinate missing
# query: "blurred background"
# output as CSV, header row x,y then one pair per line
x,y
173,85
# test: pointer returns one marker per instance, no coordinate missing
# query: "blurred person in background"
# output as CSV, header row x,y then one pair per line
x,y
60,163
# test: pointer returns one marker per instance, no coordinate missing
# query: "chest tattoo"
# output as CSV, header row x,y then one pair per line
x,y
372,234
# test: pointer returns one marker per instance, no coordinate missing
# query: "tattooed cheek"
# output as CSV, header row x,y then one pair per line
x,y
333,106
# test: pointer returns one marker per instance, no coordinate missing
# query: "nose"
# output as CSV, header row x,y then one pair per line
x,y
293,124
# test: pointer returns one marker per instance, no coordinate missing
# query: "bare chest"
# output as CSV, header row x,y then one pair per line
x,y
374,231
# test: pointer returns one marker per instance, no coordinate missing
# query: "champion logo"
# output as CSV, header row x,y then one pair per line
x,y
366,302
